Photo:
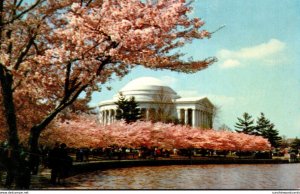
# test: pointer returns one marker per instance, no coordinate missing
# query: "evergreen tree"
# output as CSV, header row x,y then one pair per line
x,y
267,129
245,124
134,112
273,136
262,124
121,107
127,109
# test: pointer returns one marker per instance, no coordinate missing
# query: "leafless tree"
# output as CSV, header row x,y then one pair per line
x,y
225,127
164,107
216,115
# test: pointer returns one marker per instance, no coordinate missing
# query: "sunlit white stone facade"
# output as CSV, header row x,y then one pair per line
x,y
149,92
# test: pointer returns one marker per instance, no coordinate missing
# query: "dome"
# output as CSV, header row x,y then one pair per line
x,y
142,83
146,88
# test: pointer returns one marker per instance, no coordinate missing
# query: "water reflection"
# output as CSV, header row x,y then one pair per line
x,y
262,176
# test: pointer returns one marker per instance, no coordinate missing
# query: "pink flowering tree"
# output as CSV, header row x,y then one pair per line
x,y
80,131
53,51
85,132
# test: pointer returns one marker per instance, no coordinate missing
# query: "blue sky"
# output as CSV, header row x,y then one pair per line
x,y
258,68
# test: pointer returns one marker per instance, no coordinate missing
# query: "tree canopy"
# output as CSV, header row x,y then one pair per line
x,y
149,134
52,51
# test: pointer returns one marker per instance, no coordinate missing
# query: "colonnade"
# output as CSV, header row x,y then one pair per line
x,y
195,117
188,116
108,116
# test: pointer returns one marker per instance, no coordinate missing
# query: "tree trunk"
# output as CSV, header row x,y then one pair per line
x,y
34,158
33,139
37,129
35,132
6,80
9,107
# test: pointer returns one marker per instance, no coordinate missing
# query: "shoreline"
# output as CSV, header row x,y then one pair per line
x,y
42,180
85,167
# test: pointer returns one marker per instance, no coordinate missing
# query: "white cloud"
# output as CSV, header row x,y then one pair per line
x,y
265,52
221,100
229,63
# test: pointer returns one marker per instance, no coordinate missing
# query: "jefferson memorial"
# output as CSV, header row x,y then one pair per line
x,y
152,95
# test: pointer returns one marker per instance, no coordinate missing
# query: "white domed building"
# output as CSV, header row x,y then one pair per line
x,y
153,97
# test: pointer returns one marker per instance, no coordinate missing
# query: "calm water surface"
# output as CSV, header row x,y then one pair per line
x,y
262,176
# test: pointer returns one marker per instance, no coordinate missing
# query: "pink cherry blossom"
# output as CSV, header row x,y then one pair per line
x,y
85,131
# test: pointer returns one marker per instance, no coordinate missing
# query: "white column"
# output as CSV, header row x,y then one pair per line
x,y
104,117
197,118
109,116
100,117
178,114
206,120
186,116
147,114
194,117
207,115
202,119
113,116
210,121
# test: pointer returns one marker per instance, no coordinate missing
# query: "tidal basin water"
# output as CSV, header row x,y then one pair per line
x,y
258,176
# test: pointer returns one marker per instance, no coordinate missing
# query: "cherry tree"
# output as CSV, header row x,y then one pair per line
x,y
52,51
85,132
76,133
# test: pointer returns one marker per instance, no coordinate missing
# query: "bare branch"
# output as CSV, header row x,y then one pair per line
x,y
25,11
20,81
36,48
88,3
67,80
38,128
24,52
101,66
20,3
